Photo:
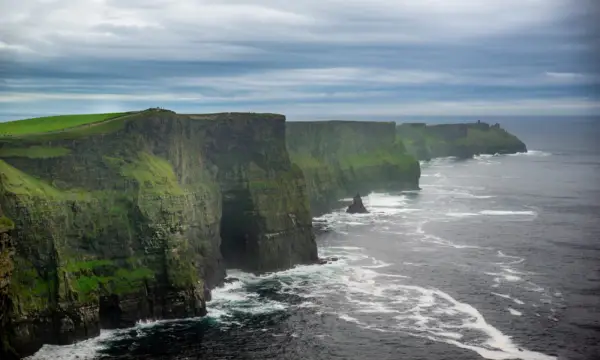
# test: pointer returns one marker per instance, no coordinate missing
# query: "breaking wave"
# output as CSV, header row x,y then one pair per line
x,y
532,153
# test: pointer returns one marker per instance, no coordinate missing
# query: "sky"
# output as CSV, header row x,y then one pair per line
x,y
307,59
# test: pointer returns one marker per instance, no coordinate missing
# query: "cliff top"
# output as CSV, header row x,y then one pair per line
x,y
478,124
52,123
339,122
76,126
222,115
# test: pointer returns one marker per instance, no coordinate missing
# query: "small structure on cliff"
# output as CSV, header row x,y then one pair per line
x,y
357,206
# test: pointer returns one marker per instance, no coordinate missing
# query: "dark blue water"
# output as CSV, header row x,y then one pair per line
x,y
496,257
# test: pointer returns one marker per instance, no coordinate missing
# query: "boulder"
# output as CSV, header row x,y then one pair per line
x,y
357,206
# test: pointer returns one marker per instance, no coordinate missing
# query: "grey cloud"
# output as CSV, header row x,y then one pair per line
x,y
251,54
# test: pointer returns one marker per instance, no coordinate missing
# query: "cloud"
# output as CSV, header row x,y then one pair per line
x,y
287,55
142,28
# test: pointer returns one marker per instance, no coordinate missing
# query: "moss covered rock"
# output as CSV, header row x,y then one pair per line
x,y
6,271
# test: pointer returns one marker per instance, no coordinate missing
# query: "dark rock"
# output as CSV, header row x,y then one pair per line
x,y
327,260
207,293
357,206
230,280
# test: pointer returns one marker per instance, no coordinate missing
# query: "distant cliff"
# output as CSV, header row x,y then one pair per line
x,y
137,216
341,158
459,140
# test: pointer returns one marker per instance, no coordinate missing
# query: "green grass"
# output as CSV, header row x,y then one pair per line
x,y
6,224
20,183
152,173
51,123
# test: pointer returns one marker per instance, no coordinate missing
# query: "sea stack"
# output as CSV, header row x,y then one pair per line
x,y
357,206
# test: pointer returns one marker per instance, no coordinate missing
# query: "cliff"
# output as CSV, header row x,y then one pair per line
x,y
341,158
137,216
6,270
459,140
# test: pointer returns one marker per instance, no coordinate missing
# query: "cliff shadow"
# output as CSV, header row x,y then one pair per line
x,y
239,230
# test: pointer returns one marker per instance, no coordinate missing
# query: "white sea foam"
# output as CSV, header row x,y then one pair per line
x,y
532,153
378,265
85,350
507,212
503,255
512,278
414,264
436,175
514,312
504,276
461,215
88,349
484,156
346,248
429,238
420,311
506,296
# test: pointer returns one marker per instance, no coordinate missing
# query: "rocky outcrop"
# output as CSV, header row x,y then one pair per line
x,y
458,140
339,158
357,206
137,217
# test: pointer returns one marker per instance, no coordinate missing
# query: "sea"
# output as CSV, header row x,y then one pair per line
x,y
496,257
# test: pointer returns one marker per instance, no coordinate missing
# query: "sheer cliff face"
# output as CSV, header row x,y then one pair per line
x,y
459,140
123,220
6,270
266,218
341,158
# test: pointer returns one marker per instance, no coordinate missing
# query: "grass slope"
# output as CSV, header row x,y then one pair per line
x,y
51,123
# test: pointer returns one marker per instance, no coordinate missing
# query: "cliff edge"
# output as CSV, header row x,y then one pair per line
x,y
137,216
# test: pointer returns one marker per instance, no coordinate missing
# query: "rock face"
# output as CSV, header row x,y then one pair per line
x,y
357,206
339,158
459,140
137,217
6,270
265,205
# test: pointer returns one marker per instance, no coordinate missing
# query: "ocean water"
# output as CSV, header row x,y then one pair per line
x,y
497,257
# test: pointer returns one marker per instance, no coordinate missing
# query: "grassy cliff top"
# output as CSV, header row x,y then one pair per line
x,y
47,124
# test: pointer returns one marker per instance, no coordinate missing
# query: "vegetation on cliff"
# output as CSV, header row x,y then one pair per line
x,y
121,218
340,158
51,123
459,140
